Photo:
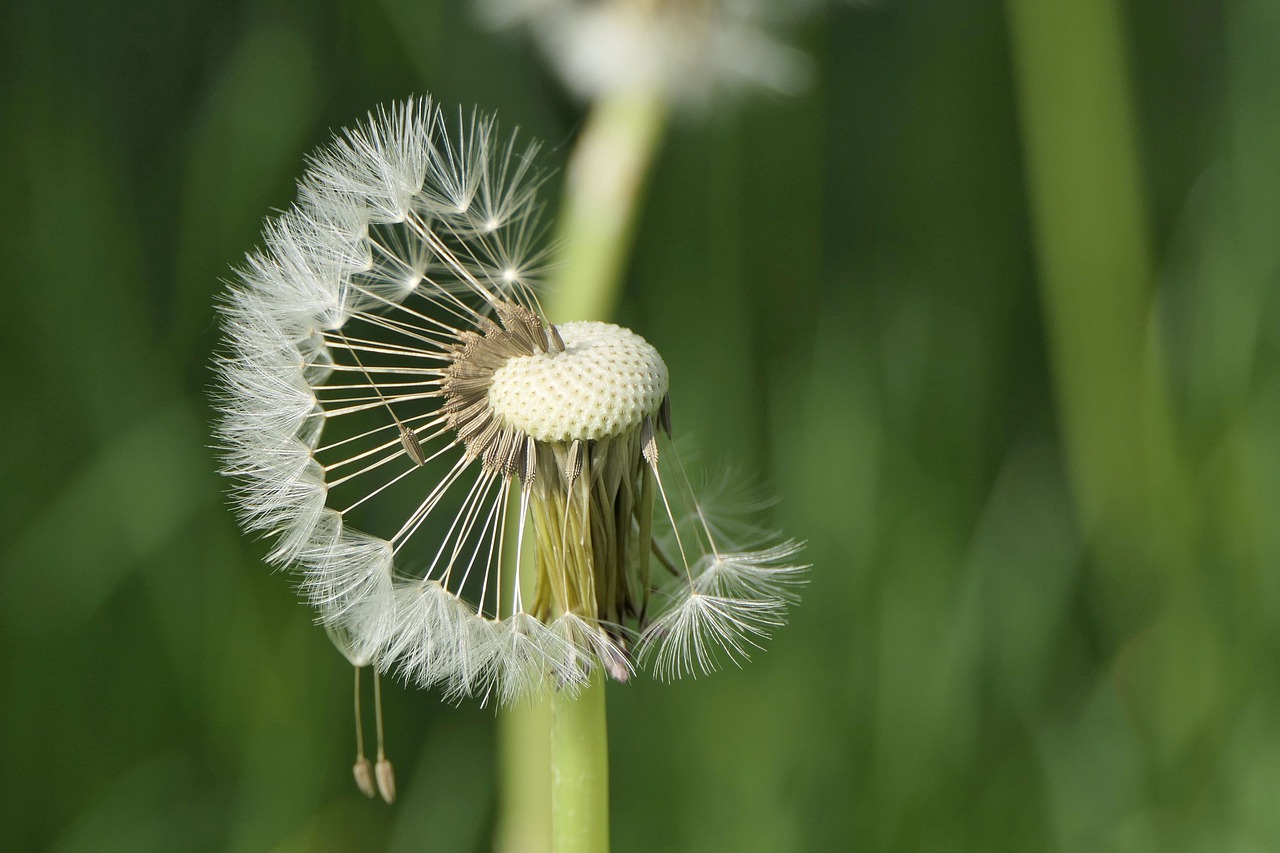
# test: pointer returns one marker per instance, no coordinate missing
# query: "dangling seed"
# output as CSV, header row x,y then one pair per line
x,y
382,771
386,776
363,771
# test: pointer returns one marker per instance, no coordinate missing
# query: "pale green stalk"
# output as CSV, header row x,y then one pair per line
x,y
1091,233
553,754
524,759
1136,495
1098,292
602,193
580,771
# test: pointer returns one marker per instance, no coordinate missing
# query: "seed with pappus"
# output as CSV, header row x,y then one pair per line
x,y
471,495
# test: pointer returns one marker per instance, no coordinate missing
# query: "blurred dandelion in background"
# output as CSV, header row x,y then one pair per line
x,y
692,51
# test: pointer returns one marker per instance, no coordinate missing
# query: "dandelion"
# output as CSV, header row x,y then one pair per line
x,y
412,434
693,50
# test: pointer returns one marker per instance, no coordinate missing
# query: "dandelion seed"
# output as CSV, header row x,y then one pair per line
x,y
383,773
367,778
363,772
404,422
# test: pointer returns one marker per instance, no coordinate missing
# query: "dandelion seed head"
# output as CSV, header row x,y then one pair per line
x,y
471,497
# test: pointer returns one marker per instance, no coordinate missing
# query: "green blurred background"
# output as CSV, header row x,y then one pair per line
x,y
992,307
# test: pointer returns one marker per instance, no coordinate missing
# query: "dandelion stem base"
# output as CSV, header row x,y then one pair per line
x,y
580,771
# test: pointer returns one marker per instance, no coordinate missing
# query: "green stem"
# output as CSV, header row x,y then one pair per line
x,y
605,181
524,756
580,771
606,176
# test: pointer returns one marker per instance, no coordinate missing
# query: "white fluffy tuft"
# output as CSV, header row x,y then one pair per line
x,y
700,629
761,575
